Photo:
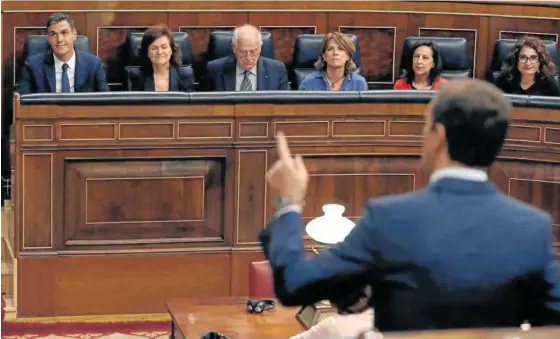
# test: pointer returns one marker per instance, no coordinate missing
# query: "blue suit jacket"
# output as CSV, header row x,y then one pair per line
x,y
455,254
38,74
220,75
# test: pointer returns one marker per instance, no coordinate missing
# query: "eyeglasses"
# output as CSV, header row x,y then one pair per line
x,y
259,306
213,335
252,53
532,59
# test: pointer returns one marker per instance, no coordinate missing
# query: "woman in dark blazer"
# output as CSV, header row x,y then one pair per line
x,y
160,64
528,70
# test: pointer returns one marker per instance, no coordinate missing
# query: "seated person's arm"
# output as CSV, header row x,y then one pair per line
x,y
362,86
25,80
284,80
100,79
301,280
186,79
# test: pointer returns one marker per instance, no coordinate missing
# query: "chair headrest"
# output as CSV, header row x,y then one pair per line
x,y
307,50
454,52
36,44
134,41
219,45
502,47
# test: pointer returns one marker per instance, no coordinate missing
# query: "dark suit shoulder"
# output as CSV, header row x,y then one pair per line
x,y
273,63
88,57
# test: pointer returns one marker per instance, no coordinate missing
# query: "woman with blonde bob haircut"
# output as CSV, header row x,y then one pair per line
x,y
335,68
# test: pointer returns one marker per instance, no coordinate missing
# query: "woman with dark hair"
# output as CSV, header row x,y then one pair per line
x,y
423,72
528,70
335,68
160,61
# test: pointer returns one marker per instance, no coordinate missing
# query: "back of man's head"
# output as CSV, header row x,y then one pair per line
x,y
476,117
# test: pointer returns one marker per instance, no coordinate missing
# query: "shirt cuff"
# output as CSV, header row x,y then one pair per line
x,y
287,209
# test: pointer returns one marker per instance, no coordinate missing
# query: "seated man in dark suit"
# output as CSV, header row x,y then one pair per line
x,y
62,69
246,70
455,254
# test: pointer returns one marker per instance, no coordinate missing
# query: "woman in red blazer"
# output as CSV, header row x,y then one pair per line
x,y
424,69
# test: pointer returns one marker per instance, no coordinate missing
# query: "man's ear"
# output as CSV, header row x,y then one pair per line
x,y
441,135
75,33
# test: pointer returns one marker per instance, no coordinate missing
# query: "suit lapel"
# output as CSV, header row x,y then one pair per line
x,y
80,73
149,85
262,76
50,76
229,75
173,77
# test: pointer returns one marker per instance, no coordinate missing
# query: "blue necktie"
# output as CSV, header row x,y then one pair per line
x,y
64,82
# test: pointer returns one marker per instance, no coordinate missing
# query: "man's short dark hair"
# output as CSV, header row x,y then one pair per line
x,y
476,118
58,17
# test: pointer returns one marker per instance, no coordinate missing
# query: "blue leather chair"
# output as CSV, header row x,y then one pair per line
x,y
454,53
219,45
306,52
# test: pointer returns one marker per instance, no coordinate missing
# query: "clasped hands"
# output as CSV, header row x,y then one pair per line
x,y
288,177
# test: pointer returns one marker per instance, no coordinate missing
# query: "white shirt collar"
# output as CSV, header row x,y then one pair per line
x,y
71,63
463,173
240,70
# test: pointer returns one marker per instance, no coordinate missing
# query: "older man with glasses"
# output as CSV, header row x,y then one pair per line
x,y
246,70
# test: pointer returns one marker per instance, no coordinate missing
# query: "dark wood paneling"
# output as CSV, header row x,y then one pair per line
x,y
251,191
140,202
380,37
377,53
352,180
38,192
149,182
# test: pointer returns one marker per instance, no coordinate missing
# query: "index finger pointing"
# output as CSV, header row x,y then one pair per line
x,y
282,148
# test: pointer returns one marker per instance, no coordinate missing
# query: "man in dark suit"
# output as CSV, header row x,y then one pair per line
x,y
246,70
62,69
455,254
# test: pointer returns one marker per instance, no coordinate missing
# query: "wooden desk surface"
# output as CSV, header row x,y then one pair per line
x,y
194,317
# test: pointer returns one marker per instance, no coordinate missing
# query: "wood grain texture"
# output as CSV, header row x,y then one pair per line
x,y
228,316
159,210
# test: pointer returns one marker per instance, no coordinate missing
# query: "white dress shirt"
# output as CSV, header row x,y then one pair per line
x,y
240,74
58,72
464,173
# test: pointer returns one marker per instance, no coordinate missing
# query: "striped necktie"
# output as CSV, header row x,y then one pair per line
x,y
246,85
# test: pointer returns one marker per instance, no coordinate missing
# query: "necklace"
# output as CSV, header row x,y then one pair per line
x,y
333,83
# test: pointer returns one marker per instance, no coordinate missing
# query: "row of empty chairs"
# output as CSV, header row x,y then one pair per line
x,y
454,52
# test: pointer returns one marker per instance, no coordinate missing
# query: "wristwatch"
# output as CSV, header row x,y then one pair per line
x,y
282,201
